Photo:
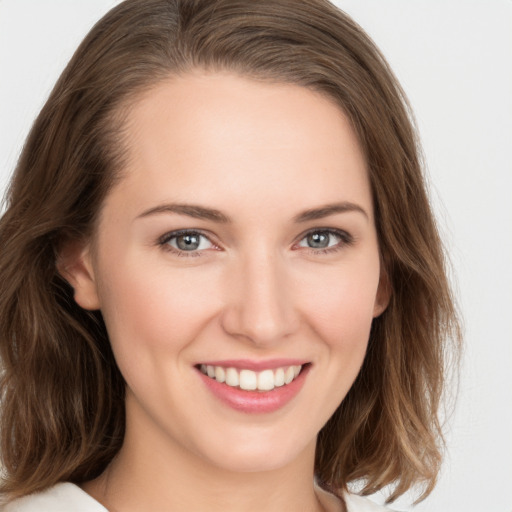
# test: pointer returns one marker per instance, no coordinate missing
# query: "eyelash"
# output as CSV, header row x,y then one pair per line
x,y
346,240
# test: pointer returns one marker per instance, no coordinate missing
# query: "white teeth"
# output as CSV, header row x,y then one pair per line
x,y
279,377
289,374
232,377
266,380
220,374
250,380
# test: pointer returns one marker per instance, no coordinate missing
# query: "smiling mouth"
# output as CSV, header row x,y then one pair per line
x,y
249,380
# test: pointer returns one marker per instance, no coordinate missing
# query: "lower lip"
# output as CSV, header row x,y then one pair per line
x,y
255,402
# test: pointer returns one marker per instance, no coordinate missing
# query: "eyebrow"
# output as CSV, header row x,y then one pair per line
x,y
195,211
201,212
329,209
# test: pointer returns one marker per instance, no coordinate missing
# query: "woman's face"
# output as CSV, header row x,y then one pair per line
x,y
239,242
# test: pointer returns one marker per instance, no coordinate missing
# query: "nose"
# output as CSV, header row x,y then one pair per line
x,y
260,304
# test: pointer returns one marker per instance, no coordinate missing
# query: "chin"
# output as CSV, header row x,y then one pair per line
x,y
251,454
259,463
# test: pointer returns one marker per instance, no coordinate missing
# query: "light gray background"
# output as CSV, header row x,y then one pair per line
x,y
454,59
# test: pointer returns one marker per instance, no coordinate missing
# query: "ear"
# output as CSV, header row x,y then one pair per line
x,y
383,295
74,264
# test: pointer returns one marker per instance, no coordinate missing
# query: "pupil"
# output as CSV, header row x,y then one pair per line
x,y
188,242
318,240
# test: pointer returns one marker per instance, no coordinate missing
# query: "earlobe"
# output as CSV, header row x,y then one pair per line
x,y
74,264
383,295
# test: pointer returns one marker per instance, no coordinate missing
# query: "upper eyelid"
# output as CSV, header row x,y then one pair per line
x,y
173,234
336,231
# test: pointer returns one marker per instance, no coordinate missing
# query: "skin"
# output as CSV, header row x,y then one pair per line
x,y
261,154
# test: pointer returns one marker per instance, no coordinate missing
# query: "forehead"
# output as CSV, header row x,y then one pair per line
x,y
222,133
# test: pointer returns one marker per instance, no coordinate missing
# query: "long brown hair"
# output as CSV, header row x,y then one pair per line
x,y
61,391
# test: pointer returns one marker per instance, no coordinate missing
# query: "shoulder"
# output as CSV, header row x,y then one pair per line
x,y
357,503
62,497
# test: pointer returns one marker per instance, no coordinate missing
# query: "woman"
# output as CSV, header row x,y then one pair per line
x,y
223,287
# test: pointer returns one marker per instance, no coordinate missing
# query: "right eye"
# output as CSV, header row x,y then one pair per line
x,y
186,241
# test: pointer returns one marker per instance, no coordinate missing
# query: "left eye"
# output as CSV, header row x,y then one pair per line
x,y
320,240
189,241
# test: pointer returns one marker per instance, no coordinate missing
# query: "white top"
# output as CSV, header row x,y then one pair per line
x,y
64,497
67,497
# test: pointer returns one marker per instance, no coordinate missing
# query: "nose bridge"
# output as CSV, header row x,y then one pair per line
x,y
261,307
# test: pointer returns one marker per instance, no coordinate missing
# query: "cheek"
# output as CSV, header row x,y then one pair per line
x,y
150,309
343,325
341,310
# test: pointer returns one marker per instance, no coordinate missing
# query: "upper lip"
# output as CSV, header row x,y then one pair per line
x,y
256,365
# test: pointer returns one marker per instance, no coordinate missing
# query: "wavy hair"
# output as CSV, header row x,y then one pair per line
x,y
62,395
